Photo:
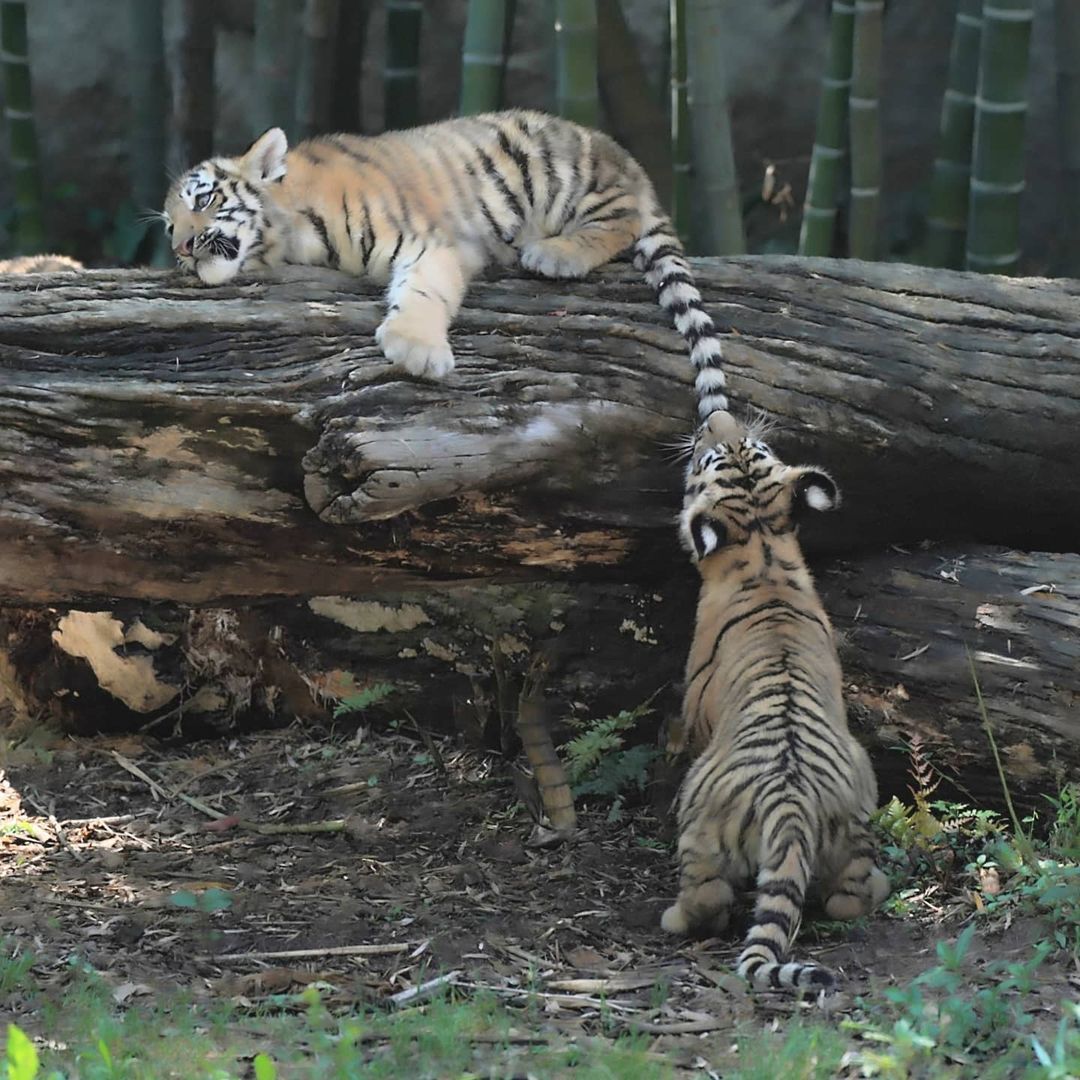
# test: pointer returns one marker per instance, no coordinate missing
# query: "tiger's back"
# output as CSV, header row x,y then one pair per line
x,y
423,210
780,792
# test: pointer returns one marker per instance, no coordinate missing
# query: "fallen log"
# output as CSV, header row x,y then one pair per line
x,y
915,629
221,505
163,440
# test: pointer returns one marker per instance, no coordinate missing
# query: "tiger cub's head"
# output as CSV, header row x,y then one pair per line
x,y
216,213
736,488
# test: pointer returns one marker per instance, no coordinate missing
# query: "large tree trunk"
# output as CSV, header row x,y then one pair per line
x,y
254,503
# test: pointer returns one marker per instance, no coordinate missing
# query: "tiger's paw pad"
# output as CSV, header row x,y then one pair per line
x,y
416,353
553,258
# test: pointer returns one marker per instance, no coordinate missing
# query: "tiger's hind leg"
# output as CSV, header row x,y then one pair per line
x,y
705,885
606,225
424,296
856,886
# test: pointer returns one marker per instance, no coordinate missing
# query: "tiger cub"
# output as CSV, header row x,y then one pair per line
x,y
423,210
781,791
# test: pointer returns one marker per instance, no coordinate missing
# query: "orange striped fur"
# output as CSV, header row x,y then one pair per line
x,y
423,210
780,792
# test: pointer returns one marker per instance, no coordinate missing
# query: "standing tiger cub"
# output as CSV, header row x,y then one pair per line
x,y
424,210
781,791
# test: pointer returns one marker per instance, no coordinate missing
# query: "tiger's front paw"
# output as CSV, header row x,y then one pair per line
x,y
421,353
555,257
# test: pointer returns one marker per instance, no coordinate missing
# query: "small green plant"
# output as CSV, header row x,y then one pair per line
x,y
208,901
952,1011
264,1067
20,1058
363,699
599,763
15,965
1064,837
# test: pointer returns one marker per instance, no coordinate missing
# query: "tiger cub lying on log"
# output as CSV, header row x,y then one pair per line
x,y
781,790
424,210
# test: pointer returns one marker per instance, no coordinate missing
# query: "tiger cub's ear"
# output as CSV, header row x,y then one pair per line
x,y
707,535
265,157
813,489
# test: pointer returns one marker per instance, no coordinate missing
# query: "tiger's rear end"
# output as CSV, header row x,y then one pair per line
x,y
780,790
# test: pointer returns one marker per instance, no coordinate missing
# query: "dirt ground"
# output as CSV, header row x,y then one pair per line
x,y
148,863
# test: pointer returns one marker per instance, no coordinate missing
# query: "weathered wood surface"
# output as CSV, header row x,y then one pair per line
x,y
917,627
161,440
456,652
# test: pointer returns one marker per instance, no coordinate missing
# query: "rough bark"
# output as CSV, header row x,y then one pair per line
x,y
252,505
459,654
163,440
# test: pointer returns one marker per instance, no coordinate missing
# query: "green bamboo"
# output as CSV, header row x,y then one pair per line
x,y
680,124
401,76
315,74
483,58
193,103
865,129
946,221
276,33
29,232
633,114
1067,47
717,185
830,153
576,91
997,164
146,74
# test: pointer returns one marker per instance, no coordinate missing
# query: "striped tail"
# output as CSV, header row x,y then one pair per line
x,y
660,255
787,846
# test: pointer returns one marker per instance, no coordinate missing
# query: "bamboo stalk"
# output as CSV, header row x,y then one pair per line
x,y
947,217
717,185
193,101
830,153
488,25
315,75
146,69
576,90
634,117
997,166
680,124
401,76
1067,48
349,41
22,135
865,127
275,55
